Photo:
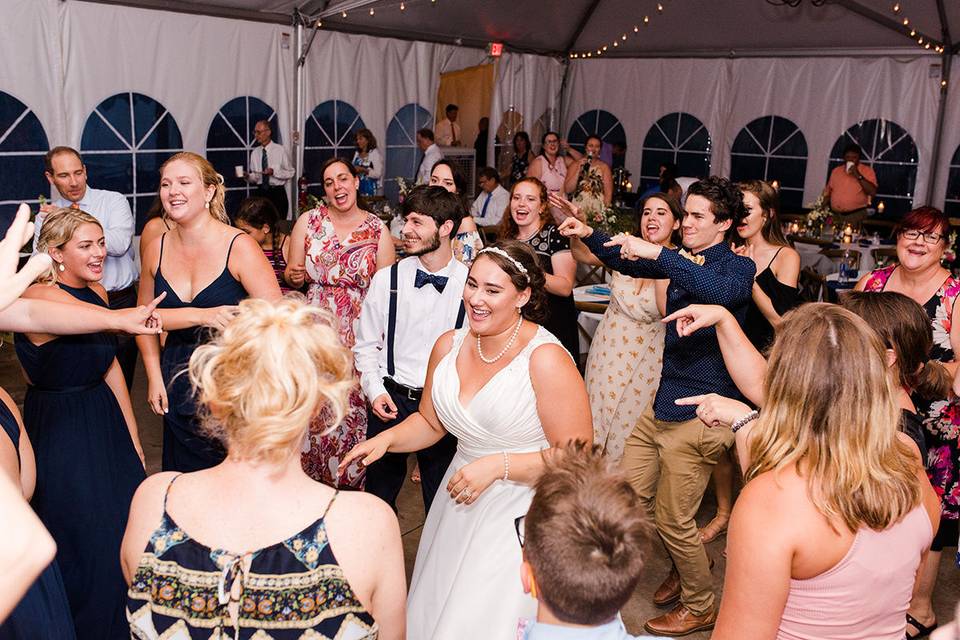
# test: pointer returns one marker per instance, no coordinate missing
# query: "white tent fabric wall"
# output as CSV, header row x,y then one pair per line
x,y
531,85
823,96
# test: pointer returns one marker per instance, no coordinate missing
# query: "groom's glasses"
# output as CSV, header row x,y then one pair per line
x,y
518,525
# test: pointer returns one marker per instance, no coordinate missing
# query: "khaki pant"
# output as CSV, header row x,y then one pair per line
x,y
669,465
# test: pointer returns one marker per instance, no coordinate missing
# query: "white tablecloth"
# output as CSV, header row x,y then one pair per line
x,y
588,320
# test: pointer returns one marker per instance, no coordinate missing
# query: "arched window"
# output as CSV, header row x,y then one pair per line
x,y
329,132
679,138
124,142
892,154
23,144
230,141
604,124
772,148
952,205
403,156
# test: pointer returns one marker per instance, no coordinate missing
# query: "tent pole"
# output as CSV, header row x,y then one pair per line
x,y
298,111
561,110
938,135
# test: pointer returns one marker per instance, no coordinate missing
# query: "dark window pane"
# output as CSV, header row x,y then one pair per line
x,y
27,135
651,161
761,130
116,111
226,161
166,135
744,143
110,171
97,135
23,178
221,135
695,165
146,112
148,171
747,168
788,172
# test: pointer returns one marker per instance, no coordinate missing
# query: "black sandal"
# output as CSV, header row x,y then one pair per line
x,y
922,631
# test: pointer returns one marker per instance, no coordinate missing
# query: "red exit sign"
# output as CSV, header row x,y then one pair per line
x,y
496,49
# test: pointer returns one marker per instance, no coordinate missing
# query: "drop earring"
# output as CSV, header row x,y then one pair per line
x,y
61,267
206,204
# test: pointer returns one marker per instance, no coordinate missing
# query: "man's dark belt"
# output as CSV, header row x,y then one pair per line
x,y
122,292
410,393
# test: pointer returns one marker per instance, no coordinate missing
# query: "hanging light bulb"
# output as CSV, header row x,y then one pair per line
x,y
906,21
636,29
623,37
646,19
403,7
913,32
371,11
343,14
616,43
659,8
896,7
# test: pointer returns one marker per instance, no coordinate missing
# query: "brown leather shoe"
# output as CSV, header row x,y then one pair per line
x,y
668,592
680,621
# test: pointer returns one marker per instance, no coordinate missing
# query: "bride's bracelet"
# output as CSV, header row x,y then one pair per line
x,y
506,467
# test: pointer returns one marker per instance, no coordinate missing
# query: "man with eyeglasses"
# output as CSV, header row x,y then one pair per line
x,y
850,187
270,168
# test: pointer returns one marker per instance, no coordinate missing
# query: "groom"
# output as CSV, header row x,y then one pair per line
x,y
670,454
408,307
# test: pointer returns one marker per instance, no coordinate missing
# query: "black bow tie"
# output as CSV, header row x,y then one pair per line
x,y
438,282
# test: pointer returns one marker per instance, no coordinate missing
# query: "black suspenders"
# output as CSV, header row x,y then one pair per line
x,y
392,318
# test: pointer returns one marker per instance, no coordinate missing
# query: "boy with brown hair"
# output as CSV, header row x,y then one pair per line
x,y
583,540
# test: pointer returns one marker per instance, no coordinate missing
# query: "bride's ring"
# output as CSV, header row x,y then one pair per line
x,y
467,493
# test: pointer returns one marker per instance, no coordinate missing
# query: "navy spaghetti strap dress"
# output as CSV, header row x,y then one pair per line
x,y
87,469
43,613
185,447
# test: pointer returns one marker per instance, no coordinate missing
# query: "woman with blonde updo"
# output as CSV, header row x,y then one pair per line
x,y
78,416
205,267
254,538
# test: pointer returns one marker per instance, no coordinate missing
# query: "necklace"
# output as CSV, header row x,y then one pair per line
x,y
506,347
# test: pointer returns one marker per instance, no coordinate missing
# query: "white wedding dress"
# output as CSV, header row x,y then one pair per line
x,y
466,579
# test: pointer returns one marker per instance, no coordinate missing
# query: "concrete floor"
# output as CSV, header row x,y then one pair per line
x,y
410,504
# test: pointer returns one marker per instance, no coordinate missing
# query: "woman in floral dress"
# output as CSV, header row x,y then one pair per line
x,y
336,248
923,238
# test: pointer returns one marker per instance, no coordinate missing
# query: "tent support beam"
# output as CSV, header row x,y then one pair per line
x,y
584,20
947,58
944,26
298,132
881,19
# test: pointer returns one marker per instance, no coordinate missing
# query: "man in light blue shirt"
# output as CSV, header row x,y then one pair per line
x,y
68,175
582,540
431,154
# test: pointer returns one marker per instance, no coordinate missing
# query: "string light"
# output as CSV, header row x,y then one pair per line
x,y
896,7
371,11
403,7
922,41
616,41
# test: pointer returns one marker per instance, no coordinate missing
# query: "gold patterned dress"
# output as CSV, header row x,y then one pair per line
x,y
623,366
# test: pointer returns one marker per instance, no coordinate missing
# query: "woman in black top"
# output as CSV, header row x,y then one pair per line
x,y
778,265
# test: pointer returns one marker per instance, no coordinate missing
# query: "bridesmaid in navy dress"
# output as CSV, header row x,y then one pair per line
x,y
79,418
206,267
43,613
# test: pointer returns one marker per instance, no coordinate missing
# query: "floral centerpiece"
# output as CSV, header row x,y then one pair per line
x,y
404,186
309,201
819,215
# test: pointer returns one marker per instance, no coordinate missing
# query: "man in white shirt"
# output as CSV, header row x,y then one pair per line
x,y
270,167
66,172
448,131
487,210
408,307
431,153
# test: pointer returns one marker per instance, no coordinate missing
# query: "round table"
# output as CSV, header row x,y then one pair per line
x,y
591,301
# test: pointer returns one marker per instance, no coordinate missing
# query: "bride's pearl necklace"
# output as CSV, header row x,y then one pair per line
x,y
506,347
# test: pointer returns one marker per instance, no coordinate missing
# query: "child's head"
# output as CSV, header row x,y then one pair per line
x,y
583,538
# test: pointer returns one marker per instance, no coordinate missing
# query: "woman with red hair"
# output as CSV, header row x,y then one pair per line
x,y
923,237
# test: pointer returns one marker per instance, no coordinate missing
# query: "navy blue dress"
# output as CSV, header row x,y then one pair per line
x,y
87,469
185,447
43,613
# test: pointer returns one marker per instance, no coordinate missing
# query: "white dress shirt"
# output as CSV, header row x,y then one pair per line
x,y
430,157
499,200
446,132
112,210
277,160
423,315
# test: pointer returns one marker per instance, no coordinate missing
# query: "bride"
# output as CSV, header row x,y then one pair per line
x,y
507,390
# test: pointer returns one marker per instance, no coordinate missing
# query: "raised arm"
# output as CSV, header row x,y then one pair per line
x,y
730,288
603,247
746,365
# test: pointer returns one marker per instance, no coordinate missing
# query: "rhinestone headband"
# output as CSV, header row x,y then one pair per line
x,y
501,252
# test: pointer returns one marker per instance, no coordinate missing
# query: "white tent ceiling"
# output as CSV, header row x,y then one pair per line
x,y
684,27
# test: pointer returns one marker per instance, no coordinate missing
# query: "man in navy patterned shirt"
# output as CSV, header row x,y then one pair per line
x,y
670,454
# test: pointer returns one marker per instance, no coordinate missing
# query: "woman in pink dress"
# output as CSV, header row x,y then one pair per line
x,y
550,168
335,249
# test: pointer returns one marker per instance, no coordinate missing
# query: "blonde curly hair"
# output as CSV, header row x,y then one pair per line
x,y
262,379
57,230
